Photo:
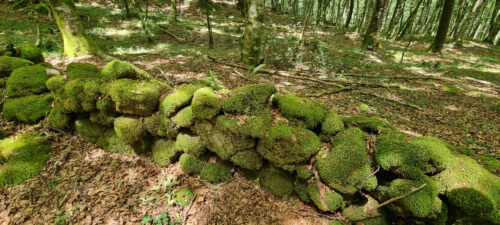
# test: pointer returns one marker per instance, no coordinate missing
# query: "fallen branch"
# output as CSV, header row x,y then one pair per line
x,y
397,198
393,77
189,207
328,92
166,32
372,174
391,100
245,77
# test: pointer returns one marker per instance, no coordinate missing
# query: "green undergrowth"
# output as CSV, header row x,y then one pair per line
x,y
29,109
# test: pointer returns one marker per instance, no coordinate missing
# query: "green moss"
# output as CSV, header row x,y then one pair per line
x,y
362,212
304,173
215,173
300,111
129,129
179,98
31,53
335,223
29,109
411,157
134,97
250,99
184,118
26,81
419,204
9,64
144,145
90,131
80,95
160,125
189,144
58,119
165,152
55,84
278,181
110,142
27,155
300,189
346,165
331,126
106,104
257,127
323,197
183,196
117,69
82,70
287,145
469,187
102,118
368,124
205,104
190,164
3,134
247,159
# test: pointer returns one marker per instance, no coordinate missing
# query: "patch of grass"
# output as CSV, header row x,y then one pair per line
x,y
476,74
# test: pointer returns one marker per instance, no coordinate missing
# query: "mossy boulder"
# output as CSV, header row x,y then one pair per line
x,y
165,152
31,53
55,84
300,189
223,143
29,109
250,99
331,126
183,196
9,64
278,181
205,104
288,145
129,129
179,98
82,70
422,203
58,119
161,126
184,118
106,104
216,173
323,197
248,159
189,144
110,142
118,69
411,157
27,81
372,125
23,157
134,97
102,118
90,131
363,212
301,112
304,173
79,95
257,126
345,167
191,164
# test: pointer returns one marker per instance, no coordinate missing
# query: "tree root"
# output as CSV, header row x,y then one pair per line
x,y
397,198
328,92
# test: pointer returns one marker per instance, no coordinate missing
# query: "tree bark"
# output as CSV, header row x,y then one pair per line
x,y
172,17
394,18
349,15
371,36
444,24
467,22
251,43
409,22
76,42
494,25
430,23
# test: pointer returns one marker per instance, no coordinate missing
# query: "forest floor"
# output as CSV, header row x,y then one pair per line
x,y
453,96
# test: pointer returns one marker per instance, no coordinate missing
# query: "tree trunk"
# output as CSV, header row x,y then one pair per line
x,y
349,15
210,34
371,36
467,22
430,23
444,24
394,18
172,17
409,22
494,24
318,11
76,42
251,43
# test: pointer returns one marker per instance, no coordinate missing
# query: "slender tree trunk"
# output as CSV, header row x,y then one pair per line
x,y
394,18
306,21
494,24
476,23
409,22
444,24
126,6
251,43
318,11
172,17
210,34
349,15
360,23
468,22
371,36
429,24
76,42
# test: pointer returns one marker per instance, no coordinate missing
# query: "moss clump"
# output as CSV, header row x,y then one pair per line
x,y
368,124
419,204
302,112
27,155
183,196
3,134
55,84
250,99
160,125
323,197
181,97
247,159
31,53
277,181
27,81
102,118
304,173
29,109
110,142
58,119
134,97
411,157
362,212
189,144
205,104
117,69
215,173
300,189
190,164
164,152
79,95
287,145
257,127
184,118
9,64
129,129
90,131
346,165
82,70
106,104
331,126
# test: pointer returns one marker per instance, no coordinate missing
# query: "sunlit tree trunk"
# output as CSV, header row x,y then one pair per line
x,y
251,43
469,19
76,42
394,18
494,25
430,23
444,24
349,14
409,22
172,17
371,36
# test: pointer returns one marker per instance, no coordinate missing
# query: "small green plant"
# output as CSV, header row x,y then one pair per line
x,y
214,80
162,219
61,220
